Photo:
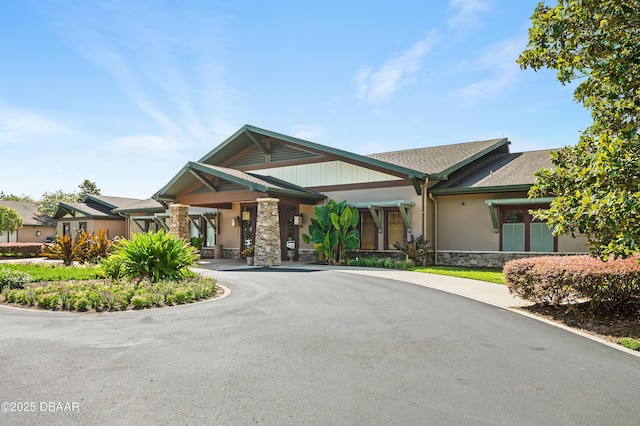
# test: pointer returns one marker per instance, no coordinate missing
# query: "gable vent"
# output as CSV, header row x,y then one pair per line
x,y
255,156
281,152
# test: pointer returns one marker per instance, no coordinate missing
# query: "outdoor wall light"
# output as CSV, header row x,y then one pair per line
x,y
246,215
235,221
38,233
297,220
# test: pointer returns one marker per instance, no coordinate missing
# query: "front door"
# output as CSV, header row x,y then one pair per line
x,y
288,234
248,220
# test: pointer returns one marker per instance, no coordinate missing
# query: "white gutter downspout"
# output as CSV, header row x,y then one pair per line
x,y
435,229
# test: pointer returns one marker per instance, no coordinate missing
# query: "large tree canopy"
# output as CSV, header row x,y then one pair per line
x,y
10,220
13,197
87,187
596,182
48,203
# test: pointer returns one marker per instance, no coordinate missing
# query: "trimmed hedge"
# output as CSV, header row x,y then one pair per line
x,y
563,279
20,249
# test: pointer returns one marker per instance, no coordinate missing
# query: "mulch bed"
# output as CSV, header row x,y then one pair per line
x,y
610,324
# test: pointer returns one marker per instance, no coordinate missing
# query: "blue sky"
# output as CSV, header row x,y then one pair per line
x,y
124,93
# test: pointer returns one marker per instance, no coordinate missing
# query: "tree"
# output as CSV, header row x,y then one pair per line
x,y
596,183
48,203
13,197
87,187
10,220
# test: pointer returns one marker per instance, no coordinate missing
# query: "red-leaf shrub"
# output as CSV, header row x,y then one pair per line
x,y
20,249
562,279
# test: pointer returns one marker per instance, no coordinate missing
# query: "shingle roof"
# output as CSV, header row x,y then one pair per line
x,y
505,169
439,159
141,205
115,202
29,213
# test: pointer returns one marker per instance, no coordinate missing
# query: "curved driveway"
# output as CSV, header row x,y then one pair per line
x,y
312,348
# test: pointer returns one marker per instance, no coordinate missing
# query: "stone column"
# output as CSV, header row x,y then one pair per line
x,y
267,251
179,221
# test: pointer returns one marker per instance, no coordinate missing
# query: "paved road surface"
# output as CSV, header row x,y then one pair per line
x,y
311,348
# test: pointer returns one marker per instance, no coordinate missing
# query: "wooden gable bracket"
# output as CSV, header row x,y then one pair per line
x,y
161,223
376,212
495,217
196,224
258,143
136,221
405,212
205,180
417,185
211,222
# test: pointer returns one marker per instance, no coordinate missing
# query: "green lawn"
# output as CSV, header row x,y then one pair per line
x,y
49,272
489,275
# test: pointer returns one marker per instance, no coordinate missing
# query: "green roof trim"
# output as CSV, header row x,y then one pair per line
x,y
318,147
261,184
480,189
444,175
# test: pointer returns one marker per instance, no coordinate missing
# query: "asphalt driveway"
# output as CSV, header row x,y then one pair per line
x,y
306,347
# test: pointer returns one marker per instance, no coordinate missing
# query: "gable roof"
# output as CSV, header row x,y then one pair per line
x,y
502,172
252,181
251,135
96,206
29,213
440,161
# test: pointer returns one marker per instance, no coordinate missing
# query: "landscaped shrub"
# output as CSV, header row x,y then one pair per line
x,y
155,256
48,300
20,249
416,249
561,279
13,279
66,248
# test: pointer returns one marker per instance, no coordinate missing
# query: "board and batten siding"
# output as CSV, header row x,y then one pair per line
x,y
328,173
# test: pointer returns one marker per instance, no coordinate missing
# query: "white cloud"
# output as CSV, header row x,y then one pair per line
x,y
18,126
467,13
308,132
378,86
146,146
169,63
498,63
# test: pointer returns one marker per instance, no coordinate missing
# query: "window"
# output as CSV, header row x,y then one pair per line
x,y
396,230
520,232
368,231
66,228
151,225
82,226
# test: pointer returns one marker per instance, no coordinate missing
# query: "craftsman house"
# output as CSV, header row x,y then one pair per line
x,y
469,199
36,227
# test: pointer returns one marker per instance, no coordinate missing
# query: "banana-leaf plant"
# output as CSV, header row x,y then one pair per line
x,y
331,230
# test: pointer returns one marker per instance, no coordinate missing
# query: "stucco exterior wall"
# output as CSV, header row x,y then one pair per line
x,y
115,228
464,224
29,233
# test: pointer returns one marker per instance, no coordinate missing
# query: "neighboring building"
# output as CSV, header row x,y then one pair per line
x,y
94,213
36,227
122,217
469,199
